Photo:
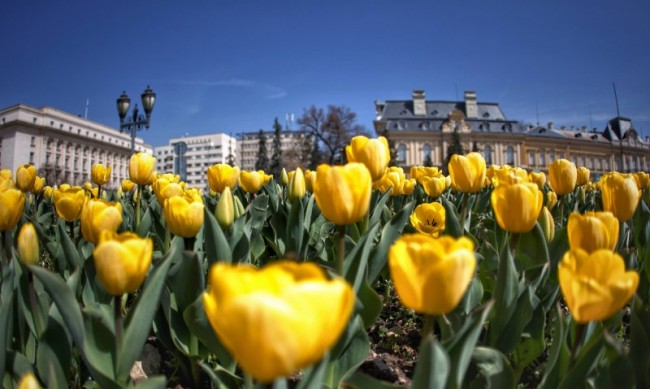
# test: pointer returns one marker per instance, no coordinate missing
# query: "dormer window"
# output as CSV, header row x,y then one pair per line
x,y
486,115
434,113
403,112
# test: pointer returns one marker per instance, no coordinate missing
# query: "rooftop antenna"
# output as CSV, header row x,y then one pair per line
x,y
86,111
618,112
537,112
591,125
289,119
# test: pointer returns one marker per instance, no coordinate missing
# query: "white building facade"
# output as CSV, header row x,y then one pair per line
x,y
63,147
190,156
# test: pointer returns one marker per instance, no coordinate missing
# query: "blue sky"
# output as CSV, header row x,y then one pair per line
x,y
233,66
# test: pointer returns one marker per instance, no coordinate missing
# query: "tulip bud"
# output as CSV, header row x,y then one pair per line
x,y
620,195
467,172
122,261
28,245
239,207
551,200
25,176
284,178
39,185
12,204
374,153
142,168
547,224
225,211
581,194
297,187
563,176
100,174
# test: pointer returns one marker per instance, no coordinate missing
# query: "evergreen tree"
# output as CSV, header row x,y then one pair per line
x,y
262,162
275,167
456,147
391,147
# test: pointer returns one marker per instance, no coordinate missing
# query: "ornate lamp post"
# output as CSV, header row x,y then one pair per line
x,y
136,122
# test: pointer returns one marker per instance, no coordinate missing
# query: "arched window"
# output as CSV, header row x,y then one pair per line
x,y
401,153
510,155
426,153
487,153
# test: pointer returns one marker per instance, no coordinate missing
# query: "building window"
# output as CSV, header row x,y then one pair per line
x,y
510,155
560,155
531,158
401,153
33,141
487,153
426,153
31,157
551,156
607,164
592,164
584,161
542,158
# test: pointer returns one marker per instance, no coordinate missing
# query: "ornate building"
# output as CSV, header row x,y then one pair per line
x,y
423,131
63,147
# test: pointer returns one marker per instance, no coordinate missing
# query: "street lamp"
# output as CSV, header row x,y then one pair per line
x,y
137,122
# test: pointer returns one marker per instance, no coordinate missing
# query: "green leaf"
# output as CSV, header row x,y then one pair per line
x,y
372,304
99,344
185,279
473,296
6,318
155,382
197,321
140,317
257,211
461,346
53,355
532,345
314,375
216,244
516,318
222,378
356,261
378,206
17,364
69,249
532,251
558,355
145,224
354,352
493,369
452,224
585,362
640,342
432,369
389,234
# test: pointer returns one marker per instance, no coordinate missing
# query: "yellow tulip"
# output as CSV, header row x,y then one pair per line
x,y
642,180
6,180
100,174
225,211
68,186
418,172
467,172
99,215
184,215
431,275
171,177
69,202
620,195
39,185
87,186
507,175
429,219
164,189
551,200
296,187
47,192
563,176
142,168
252,181
592,231
394,180
517,206
433,186
28,381
12,204
279,319
127,185
28,248
122,261
595,286
538,178
343,192
310,178
222,175
25,176
408,187
582,177
374,153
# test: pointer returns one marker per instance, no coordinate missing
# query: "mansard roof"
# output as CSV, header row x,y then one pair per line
x,y
439,110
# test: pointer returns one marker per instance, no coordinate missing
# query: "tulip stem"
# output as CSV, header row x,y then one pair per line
x,y
6,246
71,228
340,254
118,324
580,329
427,327
99,191
138,194
248,381
463,212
